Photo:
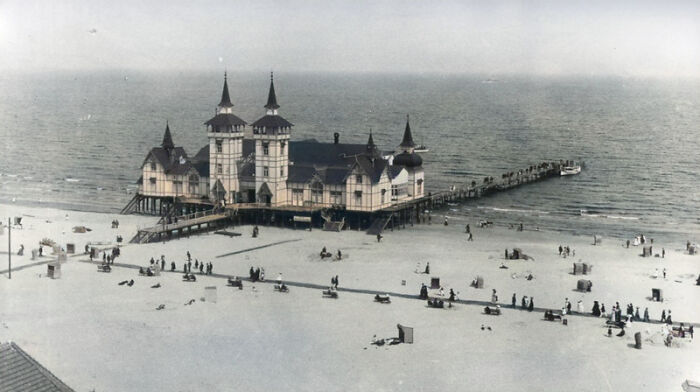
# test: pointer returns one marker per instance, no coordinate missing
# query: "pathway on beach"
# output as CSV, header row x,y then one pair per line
x,y
316,286
21,267
257,247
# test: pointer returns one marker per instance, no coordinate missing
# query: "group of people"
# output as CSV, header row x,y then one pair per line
x,y
525,303
115,224
257,274
565,251
107,257
325,253
334,282
204,268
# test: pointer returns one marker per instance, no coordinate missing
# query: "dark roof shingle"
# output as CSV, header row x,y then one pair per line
x,y
226,119
19,372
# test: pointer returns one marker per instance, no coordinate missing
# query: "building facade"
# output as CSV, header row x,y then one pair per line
x,y
261,164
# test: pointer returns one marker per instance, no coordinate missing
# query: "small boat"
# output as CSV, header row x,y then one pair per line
x,y
570,170
421,148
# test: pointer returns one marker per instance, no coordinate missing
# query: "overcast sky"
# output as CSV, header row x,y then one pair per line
x,y
628,38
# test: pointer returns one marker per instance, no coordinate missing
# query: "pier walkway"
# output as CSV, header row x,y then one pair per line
x,y
185,224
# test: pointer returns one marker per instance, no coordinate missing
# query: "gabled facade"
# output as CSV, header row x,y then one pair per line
x,y
261,164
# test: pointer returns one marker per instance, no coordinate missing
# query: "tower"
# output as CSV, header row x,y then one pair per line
x,y
271,134
412,162
225,133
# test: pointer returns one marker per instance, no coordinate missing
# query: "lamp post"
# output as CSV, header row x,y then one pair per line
x,y
9,247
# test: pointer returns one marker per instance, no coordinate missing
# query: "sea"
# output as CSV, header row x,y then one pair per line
x,y
76,140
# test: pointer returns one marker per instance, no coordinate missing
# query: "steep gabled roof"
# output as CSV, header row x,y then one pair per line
x,y
19,372
373,167
170,159
394,171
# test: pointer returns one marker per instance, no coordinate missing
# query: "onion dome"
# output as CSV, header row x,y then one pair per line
x,y
408,159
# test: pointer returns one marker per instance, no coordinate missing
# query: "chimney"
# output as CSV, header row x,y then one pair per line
x,y
336,138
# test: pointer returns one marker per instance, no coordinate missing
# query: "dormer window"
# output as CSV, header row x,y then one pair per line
x,y
153,166
358,179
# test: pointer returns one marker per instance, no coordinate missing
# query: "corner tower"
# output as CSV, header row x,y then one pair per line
x,y
412,162
225,133
271,134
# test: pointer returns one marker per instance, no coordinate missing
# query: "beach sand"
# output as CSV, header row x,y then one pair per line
x,y
94,334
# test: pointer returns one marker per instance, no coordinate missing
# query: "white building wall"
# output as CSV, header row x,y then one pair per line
x,y
277,163
231,153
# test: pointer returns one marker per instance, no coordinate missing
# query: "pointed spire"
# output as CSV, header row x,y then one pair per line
x,y
371,147
407,141
271,96
167,138
225,98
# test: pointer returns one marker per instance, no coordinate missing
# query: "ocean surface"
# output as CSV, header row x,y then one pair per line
x,y
77,140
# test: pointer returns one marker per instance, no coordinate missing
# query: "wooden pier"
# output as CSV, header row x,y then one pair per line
x,y
184,225
414,211
182,217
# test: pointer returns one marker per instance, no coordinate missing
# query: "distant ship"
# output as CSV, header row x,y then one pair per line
x,y
570,170
421,148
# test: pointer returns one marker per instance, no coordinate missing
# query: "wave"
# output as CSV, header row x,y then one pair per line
x,y
515,210
594,214
69,179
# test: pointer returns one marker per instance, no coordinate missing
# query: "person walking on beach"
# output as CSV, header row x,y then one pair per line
x,y
468,230
427,268
663,316
162,265
602,310
646,315
336,281
560,250
513,300
471,237
279,279
523,302
663,253
379,237
531,305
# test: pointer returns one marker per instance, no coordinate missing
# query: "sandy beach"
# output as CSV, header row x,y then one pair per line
x,y
97,335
